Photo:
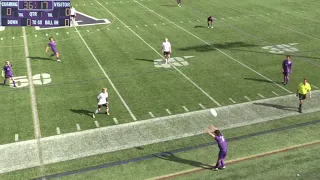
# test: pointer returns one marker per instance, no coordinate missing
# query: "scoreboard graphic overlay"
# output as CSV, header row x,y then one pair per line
x,y
48,13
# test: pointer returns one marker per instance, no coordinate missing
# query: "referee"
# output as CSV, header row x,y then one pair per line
x,y
302,91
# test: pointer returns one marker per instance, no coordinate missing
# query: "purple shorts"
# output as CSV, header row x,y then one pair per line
x,y
222,154
9,75
54,51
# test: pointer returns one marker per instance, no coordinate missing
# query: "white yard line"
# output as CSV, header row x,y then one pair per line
x,y
168,111
232,100
244,65
78,127
16,137
97,124
106,75
247,98
261,95
202,106
151,114
35,116
185,108
275,93
115,121
197,86
58,130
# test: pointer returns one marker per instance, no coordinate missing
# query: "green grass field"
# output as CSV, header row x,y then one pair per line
x,y
236,62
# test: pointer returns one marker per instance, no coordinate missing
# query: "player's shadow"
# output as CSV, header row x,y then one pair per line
x,y
214,47
277,106
40,58
82,112
171,157
198,26
261,80
142,59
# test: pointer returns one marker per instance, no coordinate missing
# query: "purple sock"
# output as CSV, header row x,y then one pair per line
x,y
288,80
218,164
284,79
222,162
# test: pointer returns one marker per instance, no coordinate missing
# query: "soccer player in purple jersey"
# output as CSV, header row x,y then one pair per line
x,y
179,3
222,143
210,21
286,69
7,73
52,44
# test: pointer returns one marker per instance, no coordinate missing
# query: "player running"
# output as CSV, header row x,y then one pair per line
x,y
53,45
7,73
286,69
210,21
166,49
222,143
102,101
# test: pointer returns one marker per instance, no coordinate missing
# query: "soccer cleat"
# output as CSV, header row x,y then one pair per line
x,y
222,167
107,113
93,116
300,110
58,60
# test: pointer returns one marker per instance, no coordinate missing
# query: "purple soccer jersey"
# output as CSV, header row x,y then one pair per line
x,y
287,65
222,143
8,71
53,46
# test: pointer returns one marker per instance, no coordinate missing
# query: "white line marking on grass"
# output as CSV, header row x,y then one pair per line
x,y
35,35
155,24
168,111
46,34
198,20
181,22
92,3
115,121
67,32
106,75
151,114
315,86
98,29
88,31
163,23
275,93
1,39
12,37
106,2
146,25
137,26
78,127
230,18
247,98
260,95
97,124
108,29
57,34
117,27
35,115
162,56
185,108
58,130
16,137
232,100
202,106
244,65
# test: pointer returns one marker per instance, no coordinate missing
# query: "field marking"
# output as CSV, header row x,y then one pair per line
x,y
192,82
16,137
247,98
58,130
261,95
275,93
202,106
272,22
168,111
97,124
315,86
232,100
151,114
93,141
239,62
78,127
35,116
185,108
106,75
115,121
246,158
57,33
13,37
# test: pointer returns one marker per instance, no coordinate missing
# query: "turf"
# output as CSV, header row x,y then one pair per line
x,y
230,61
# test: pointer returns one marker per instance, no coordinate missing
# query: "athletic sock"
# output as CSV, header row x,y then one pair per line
x,y
96,111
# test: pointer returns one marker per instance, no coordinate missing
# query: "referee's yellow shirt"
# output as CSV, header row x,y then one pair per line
x,y
303,89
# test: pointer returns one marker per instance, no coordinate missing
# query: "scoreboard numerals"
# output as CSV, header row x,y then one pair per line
x,y
27,4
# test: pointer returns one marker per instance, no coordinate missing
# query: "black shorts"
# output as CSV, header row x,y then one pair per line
x,y
99,106
302,96
166,53
73,16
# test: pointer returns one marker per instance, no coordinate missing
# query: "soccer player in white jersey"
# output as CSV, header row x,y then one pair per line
x,y
166,49
102,101
73,15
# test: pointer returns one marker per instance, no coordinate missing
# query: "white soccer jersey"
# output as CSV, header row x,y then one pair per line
x,y
166,46
102,98
72,11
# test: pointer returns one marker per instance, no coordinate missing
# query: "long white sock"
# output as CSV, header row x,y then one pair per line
x,y
96,111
